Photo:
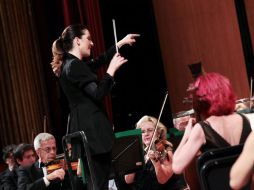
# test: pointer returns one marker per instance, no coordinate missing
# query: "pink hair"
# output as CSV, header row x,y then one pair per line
x,y
213,95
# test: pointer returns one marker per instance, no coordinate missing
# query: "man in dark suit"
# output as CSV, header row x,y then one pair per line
x,y
35,176
9,160
24,155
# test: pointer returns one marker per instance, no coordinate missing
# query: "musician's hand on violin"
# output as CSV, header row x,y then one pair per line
x,y
57,174
190,125
153,155
181,123
129,39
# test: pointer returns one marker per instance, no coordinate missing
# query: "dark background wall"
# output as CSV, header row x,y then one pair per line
x,y
140,85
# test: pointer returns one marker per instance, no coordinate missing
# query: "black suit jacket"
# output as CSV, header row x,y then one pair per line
x,y
31,178
3,176
85,95
10,180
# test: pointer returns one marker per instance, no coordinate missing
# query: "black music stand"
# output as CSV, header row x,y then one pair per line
x,y
87,161
127,153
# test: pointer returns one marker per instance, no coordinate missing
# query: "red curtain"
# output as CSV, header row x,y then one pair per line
x,y
88,12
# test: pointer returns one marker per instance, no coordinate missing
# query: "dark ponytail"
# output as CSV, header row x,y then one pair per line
x,y
64,44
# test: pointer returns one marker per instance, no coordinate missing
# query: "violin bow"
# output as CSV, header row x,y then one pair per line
x,y
157,123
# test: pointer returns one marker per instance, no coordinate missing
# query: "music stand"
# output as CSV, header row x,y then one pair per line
x,y
127,153
80,135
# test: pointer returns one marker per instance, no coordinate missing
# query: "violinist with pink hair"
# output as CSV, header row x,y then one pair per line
x,y
217,125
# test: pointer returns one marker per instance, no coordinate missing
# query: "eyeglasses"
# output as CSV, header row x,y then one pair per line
x,y
49,149
147,131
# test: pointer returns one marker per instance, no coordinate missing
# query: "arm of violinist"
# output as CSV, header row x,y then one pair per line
x,y
57,174
188,148
163,169
242,169
129,178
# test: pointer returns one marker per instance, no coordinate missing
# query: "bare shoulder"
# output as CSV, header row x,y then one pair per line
x,y
197,131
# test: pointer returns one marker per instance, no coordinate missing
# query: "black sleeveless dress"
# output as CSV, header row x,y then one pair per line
x,y
147,180
213,141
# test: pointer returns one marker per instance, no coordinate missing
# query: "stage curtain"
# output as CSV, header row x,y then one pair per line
x,y
23,101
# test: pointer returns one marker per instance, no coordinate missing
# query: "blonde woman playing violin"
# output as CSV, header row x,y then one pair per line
x,y
157,174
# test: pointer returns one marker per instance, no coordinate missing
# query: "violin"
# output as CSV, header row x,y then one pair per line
x,y
161,149
60,163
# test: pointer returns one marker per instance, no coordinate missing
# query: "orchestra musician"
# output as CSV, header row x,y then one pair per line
x,y
217,124
35,176
158,173
10,161
85,93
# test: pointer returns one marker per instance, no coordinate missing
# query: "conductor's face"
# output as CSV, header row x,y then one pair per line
x,y
85,44
47,151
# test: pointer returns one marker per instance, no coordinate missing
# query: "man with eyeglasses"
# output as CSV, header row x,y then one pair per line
x,y
35,177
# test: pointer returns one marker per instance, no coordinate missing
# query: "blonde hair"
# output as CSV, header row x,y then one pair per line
x,y
161,129
57,59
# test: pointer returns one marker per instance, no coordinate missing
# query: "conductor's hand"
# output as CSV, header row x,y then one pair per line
x,y
57,174
115,63
129,39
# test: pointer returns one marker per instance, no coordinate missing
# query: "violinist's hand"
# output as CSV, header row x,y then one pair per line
x,y
57,174
115,63
190,125
153,155
129,39
181,123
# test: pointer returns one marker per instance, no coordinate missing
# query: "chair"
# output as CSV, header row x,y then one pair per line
x,y
217,153
214,166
